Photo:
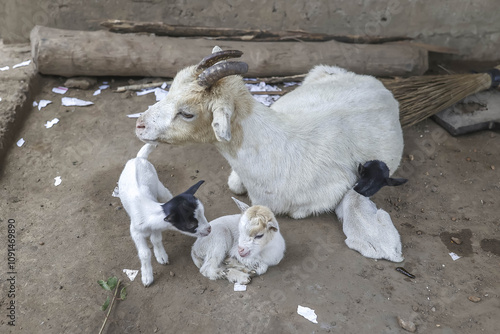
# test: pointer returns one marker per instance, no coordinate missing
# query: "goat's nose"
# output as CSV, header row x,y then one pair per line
x,y
140,124
209,229
241,249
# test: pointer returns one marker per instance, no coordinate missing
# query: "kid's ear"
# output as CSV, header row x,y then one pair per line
x,y
243,207
194,188
272,225
395,182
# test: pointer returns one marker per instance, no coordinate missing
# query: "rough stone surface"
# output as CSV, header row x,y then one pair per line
x,y
408,326
80,82
16,89
472,27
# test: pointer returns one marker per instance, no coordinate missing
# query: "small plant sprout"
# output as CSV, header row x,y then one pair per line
x,y
112,284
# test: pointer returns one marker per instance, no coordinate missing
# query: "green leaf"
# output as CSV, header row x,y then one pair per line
x,y
104,285
106,304
112,281
123,293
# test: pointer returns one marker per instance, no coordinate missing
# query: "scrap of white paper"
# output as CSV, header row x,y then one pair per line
x,y
103,87
43,104
116,192
24,63
57,181
135,115
60,90
240,287
163,85
0,99
20,142
160,94
145,91
454,256
35,103
266,100
131,274
307,313
73,101
51,123
97,92
5,68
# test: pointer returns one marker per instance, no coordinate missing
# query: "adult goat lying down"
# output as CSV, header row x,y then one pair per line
x,y
299,157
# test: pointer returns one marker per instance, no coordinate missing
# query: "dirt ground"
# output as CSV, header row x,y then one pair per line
x,y
69,236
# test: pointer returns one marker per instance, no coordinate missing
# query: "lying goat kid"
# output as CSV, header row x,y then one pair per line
x,y
251,242
152,209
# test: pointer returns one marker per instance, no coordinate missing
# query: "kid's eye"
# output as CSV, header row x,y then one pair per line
x,y
259,236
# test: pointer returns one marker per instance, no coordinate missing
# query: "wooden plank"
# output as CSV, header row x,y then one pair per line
x,y
102,53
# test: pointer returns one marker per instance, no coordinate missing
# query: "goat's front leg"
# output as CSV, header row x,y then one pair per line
x,y
160,253
235,184
144,256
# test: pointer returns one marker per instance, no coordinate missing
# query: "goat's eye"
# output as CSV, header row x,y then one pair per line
x,y
259,236
186,115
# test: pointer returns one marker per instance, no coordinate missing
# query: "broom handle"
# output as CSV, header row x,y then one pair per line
x,y
495,76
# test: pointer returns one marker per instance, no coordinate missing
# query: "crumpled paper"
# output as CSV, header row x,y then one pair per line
x,y
131,274
73,101
307,313
51,123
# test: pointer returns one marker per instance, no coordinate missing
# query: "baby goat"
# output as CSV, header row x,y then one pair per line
x,y
152,209
373,175
250,242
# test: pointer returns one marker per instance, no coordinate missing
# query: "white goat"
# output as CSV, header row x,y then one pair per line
x,y
153,209
298,157
240,246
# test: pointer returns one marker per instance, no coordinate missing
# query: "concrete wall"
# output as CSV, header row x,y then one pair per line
x,y
471,26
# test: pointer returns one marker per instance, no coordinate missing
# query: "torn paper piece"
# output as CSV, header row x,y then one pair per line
x,y
57,181
51,123
307,313
20,142
160,94
0,99
164,85
135,115
291,83
145,91
116,192
97,92
73,101
454,256
24,63
105,82
131,274
103,87
35,103
60,90
43,104
240,287
5,68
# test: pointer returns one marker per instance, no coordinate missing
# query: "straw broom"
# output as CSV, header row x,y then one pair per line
x,y
423,96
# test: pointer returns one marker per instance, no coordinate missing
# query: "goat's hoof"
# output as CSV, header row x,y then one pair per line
x,y
147,281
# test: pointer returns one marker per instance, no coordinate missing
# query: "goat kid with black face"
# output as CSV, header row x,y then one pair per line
x,y
299,157
153,209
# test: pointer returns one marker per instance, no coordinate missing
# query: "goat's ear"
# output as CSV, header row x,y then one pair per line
x,y
194,188
222,123
272,225
361,169
243,207
395,182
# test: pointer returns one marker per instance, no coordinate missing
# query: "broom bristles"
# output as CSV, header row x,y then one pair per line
x,y
424,96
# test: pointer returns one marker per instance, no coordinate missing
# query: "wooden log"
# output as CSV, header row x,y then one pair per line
x,y
164,29
102,53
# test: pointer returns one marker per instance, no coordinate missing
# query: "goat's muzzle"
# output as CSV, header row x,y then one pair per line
x,y
140,124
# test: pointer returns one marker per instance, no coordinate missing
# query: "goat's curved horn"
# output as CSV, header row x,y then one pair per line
x,y
216,57
218,71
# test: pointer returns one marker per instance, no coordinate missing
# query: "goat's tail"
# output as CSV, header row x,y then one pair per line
x,y
145,150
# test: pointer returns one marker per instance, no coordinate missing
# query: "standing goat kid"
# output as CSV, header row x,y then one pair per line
x,y
153,209
240,245
299,157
